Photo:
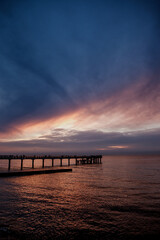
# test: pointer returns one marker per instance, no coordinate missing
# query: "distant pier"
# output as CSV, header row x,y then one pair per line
x,y
80,159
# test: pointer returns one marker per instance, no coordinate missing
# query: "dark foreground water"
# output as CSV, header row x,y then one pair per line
x,y
119,199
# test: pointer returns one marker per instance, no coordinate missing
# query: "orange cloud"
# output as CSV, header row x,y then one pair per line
x,y
113,147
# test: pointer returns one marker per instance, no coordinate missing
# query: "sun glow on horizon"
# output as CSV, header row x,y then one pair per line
x,y
113,147
116,113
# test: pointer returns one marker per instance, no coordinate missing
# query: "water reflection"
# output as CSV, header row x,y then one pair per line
x,y
118,199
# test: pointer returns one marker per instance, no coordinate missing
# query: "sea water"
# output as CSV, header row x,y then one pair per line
x,y
118,199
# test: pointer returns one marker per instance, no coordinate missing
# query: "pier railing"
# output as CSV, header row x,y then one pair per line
x,y
79,159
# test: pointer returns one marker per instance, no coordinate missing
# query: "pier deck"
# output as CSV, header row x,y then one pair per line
x,y
80,159
34,172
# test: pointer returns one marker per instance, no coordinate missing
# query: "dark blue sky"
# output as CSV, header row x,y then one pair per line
x,y
65,58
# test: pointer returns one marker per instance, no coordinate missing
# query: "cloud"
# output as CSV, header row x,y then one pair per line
x,y
62,141
79,76
57,57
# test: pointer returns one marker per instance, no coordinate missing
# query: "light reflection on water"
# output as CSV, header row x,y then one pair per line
x,y
119,199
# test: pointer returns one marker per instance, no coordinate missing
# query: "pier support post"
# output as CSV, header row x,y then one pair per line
x,y
61,162
9,164
33,163
43,163
21,163
68,161
76,161
52,162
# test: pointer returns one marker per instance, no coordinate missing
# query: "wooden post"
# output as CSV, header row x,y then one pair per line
x,y
52,162
68,161
9,164
32,162
43,163
76,161
61,162
21,163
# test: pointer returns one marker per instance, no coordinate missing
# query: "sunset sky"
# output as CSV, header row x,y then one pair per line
x,y
79,76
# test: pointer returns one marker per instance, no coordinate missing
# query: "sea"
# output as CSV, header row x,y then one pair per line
x,y
118,199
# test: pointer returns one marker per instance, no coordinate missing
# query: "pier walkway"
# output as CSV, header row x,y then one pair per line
x,y
34,172
80,159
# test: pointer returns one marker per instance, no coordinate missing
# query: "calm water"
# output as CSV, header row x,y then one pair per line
x,y
119,199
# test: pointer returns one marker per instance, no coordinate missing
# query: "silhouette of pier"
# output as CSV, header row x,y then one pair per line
x,y
80,159
33,172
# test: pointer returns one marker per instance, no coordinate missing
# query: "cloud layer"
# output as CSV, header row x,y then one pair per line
x,y
62,141
78,65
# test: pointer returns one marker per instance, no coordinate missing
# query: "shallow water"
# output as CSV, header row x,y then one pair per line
x,y
118,199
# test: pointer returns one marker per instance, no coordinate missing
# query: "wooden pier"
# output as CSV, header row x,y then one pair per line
x,y
84,159
34,172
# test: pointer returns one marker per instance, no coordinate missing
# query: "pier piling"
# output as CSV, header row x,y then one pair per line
x,y
43,163
52,162
61,162
33,163
9,164
68,161
21,163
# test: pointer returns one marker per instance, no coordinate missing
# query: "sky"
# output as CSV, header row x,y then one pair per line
x,y
79,76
